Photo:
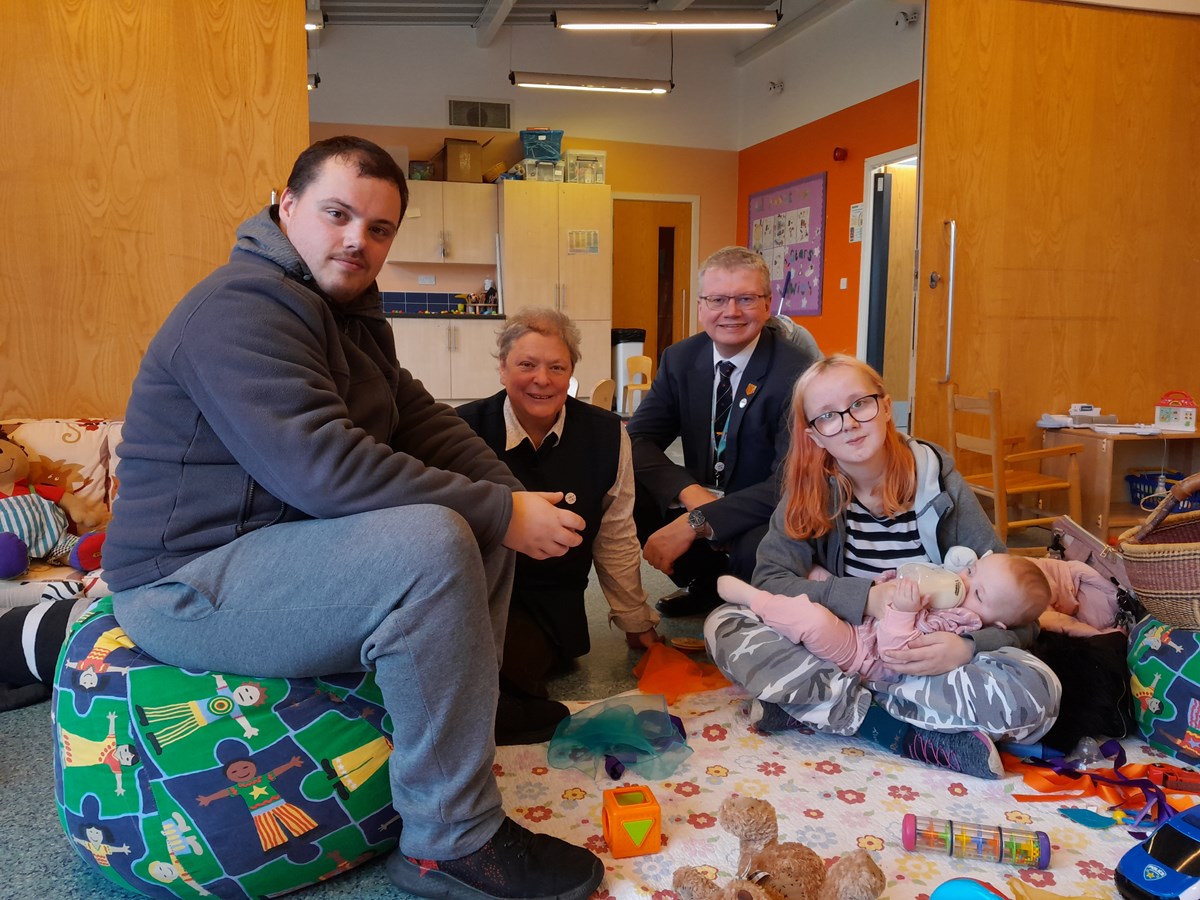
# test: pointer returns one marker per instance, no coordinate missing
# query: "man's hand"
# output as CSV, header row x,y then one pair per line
x,y
931,654
696,495
668,544
642,640
538,528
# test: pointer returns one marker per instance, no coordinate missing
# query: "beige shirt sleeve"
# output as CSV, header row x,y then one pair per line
x,y
617,554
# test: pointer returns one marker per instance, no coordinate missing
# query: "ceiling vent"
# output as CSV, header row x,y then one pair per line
x,y
480,114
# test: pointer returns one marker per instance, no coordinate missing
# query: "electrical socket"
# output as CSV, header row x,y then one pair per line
x,y
426,279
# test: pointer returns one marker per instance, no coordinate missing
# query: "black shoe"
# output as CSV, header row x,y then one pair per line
x,y
693,600
515,863
770,718
526,720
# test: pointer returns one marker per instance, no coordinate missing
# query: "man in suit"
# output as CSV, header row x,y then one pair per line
x,y
726,394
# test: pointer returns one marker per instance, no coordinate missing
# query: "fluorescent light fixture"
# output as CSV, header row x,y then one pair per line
x,y
314,20
590,83
650,20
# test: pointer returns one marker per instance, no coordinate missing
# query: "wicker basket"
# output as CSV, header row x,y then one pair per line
x,y
1162,559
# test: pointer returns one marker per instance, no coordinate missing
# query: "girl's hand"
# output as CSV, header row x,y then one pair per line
x,y
931,654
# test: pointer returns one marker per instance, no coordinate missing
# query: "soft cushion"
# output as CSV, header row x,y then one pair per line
x,y
70,453
169,780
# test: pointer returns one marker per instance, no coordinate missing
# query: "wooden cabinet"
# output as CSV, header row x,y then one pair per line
x,y
556,251
448,222
1108,458
451,356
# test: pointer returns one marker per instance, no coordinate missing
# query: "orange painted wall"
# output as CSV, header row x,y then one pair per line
x,y
883,123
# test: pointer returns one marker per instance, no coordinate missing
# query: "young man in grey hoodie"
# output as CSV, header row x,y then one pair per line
x,y
293,503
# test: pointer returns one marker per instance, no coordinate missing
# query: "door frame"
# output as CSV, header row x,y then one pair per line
x,y
870,165
693,279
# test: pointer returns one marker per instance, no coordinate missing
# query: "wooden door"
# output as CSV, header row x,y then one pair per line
x,y
529,243
423,346
585,236
420,236
636,226
1061,140
470,222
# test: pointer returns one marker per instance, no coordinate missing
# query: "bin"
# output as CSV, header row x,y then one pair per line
x,y
626,342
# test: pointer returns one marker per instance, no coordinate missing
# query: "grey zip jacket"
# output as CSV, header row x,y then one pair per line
x,y
262,401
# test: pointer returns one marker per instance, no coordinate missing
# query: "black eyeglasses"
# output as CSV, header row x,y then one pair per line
x,y
864,409
717,302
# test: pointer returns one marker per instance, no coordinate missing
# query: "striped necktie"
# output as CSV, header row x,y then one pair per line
x,y
721,416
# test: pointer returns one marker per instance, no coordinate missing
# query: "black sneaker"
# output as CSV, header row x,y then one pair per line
x,y
515,863
966,752
527,720
770,718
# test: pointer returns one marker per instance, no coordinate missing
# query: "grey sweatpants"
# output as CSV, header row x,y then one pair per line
x,y
405,592
1007,693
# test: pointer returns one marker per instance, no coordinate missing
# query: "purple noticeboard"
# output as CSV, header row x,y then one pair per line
x,y
787,226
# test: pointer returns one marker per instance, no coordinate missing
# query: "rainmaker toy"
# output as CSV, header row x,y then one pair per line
x,y
1014,846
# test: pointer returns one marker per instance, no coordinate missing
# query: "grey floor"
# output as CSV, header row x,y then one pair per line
x,y
36,861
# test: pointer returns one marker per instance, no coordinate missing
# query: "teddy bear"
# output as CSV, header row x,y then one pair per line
x,y
770,870
35,519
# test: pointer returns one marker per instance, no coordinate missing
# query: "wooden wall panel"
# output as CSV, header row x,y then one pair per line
x,y
138,133
1062,139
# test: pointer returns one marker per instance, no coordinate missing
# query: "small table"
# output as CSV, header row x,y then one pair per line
x,y
1108,458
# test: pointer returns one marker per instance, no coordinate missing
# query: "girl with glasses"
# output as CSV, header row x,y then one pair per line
x,y
860,500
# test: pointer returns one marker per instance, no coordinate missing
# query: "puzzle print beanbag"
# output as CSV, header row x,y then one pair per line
x,y
175,783
1164,678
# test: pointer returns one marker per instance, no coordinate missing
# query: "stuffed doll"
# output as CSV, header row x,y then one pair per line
x,y
35,519
770,870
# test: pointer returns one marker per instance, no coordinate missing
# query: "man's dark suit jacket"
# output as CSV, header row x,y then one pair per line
x,y
679,404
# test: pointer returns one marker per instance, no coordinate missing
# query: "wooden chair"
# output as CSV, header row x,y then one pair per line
x,y
635,366
602,393
1015,482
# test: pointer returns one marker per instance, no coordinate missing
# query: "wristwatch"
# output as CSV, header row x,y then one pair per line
x,y
700,524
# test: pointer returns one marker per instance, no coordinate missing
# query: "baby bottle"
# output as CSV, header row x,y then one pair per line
x,y
944,589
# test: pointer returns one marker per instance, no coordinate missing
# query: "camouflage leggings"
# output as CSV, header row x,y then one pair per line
x,y
1007,693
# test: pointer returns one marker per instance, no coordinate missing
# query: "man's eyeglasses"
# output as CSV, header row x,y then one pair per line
x,y
717,302
864,409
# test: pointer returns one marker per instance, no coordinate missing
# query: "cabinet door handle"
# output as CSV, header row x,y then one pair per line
x,y
442,245
563,307
449,339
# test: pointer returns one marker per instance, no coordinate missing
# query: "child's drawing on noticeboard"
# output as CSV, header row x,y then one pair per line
x,y
787,226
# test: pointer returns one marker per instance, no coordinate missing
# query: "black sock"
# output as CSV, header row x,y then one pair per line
x,y
880,728
31,638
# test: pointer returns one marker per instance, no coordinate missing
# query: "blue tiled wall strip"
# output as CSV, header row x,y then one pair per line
x,y
395,302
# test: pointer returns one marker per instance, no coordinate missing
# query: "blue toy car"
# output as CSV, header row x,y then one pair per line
x,y
1166,864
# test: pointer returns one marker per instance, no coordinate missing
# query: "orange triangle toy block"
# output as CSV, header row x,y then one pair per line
x,y
632,821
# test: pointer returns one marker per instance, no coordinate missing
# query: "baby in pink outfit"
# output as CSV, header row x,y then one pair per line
x,y
1000,590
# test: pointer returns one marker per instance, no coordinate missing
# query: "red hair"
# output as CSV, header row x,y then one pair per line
x,y
808,468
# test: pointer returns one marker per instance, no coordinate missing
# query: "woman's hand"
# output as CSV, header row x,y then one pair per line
x,y
642,640
931,654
